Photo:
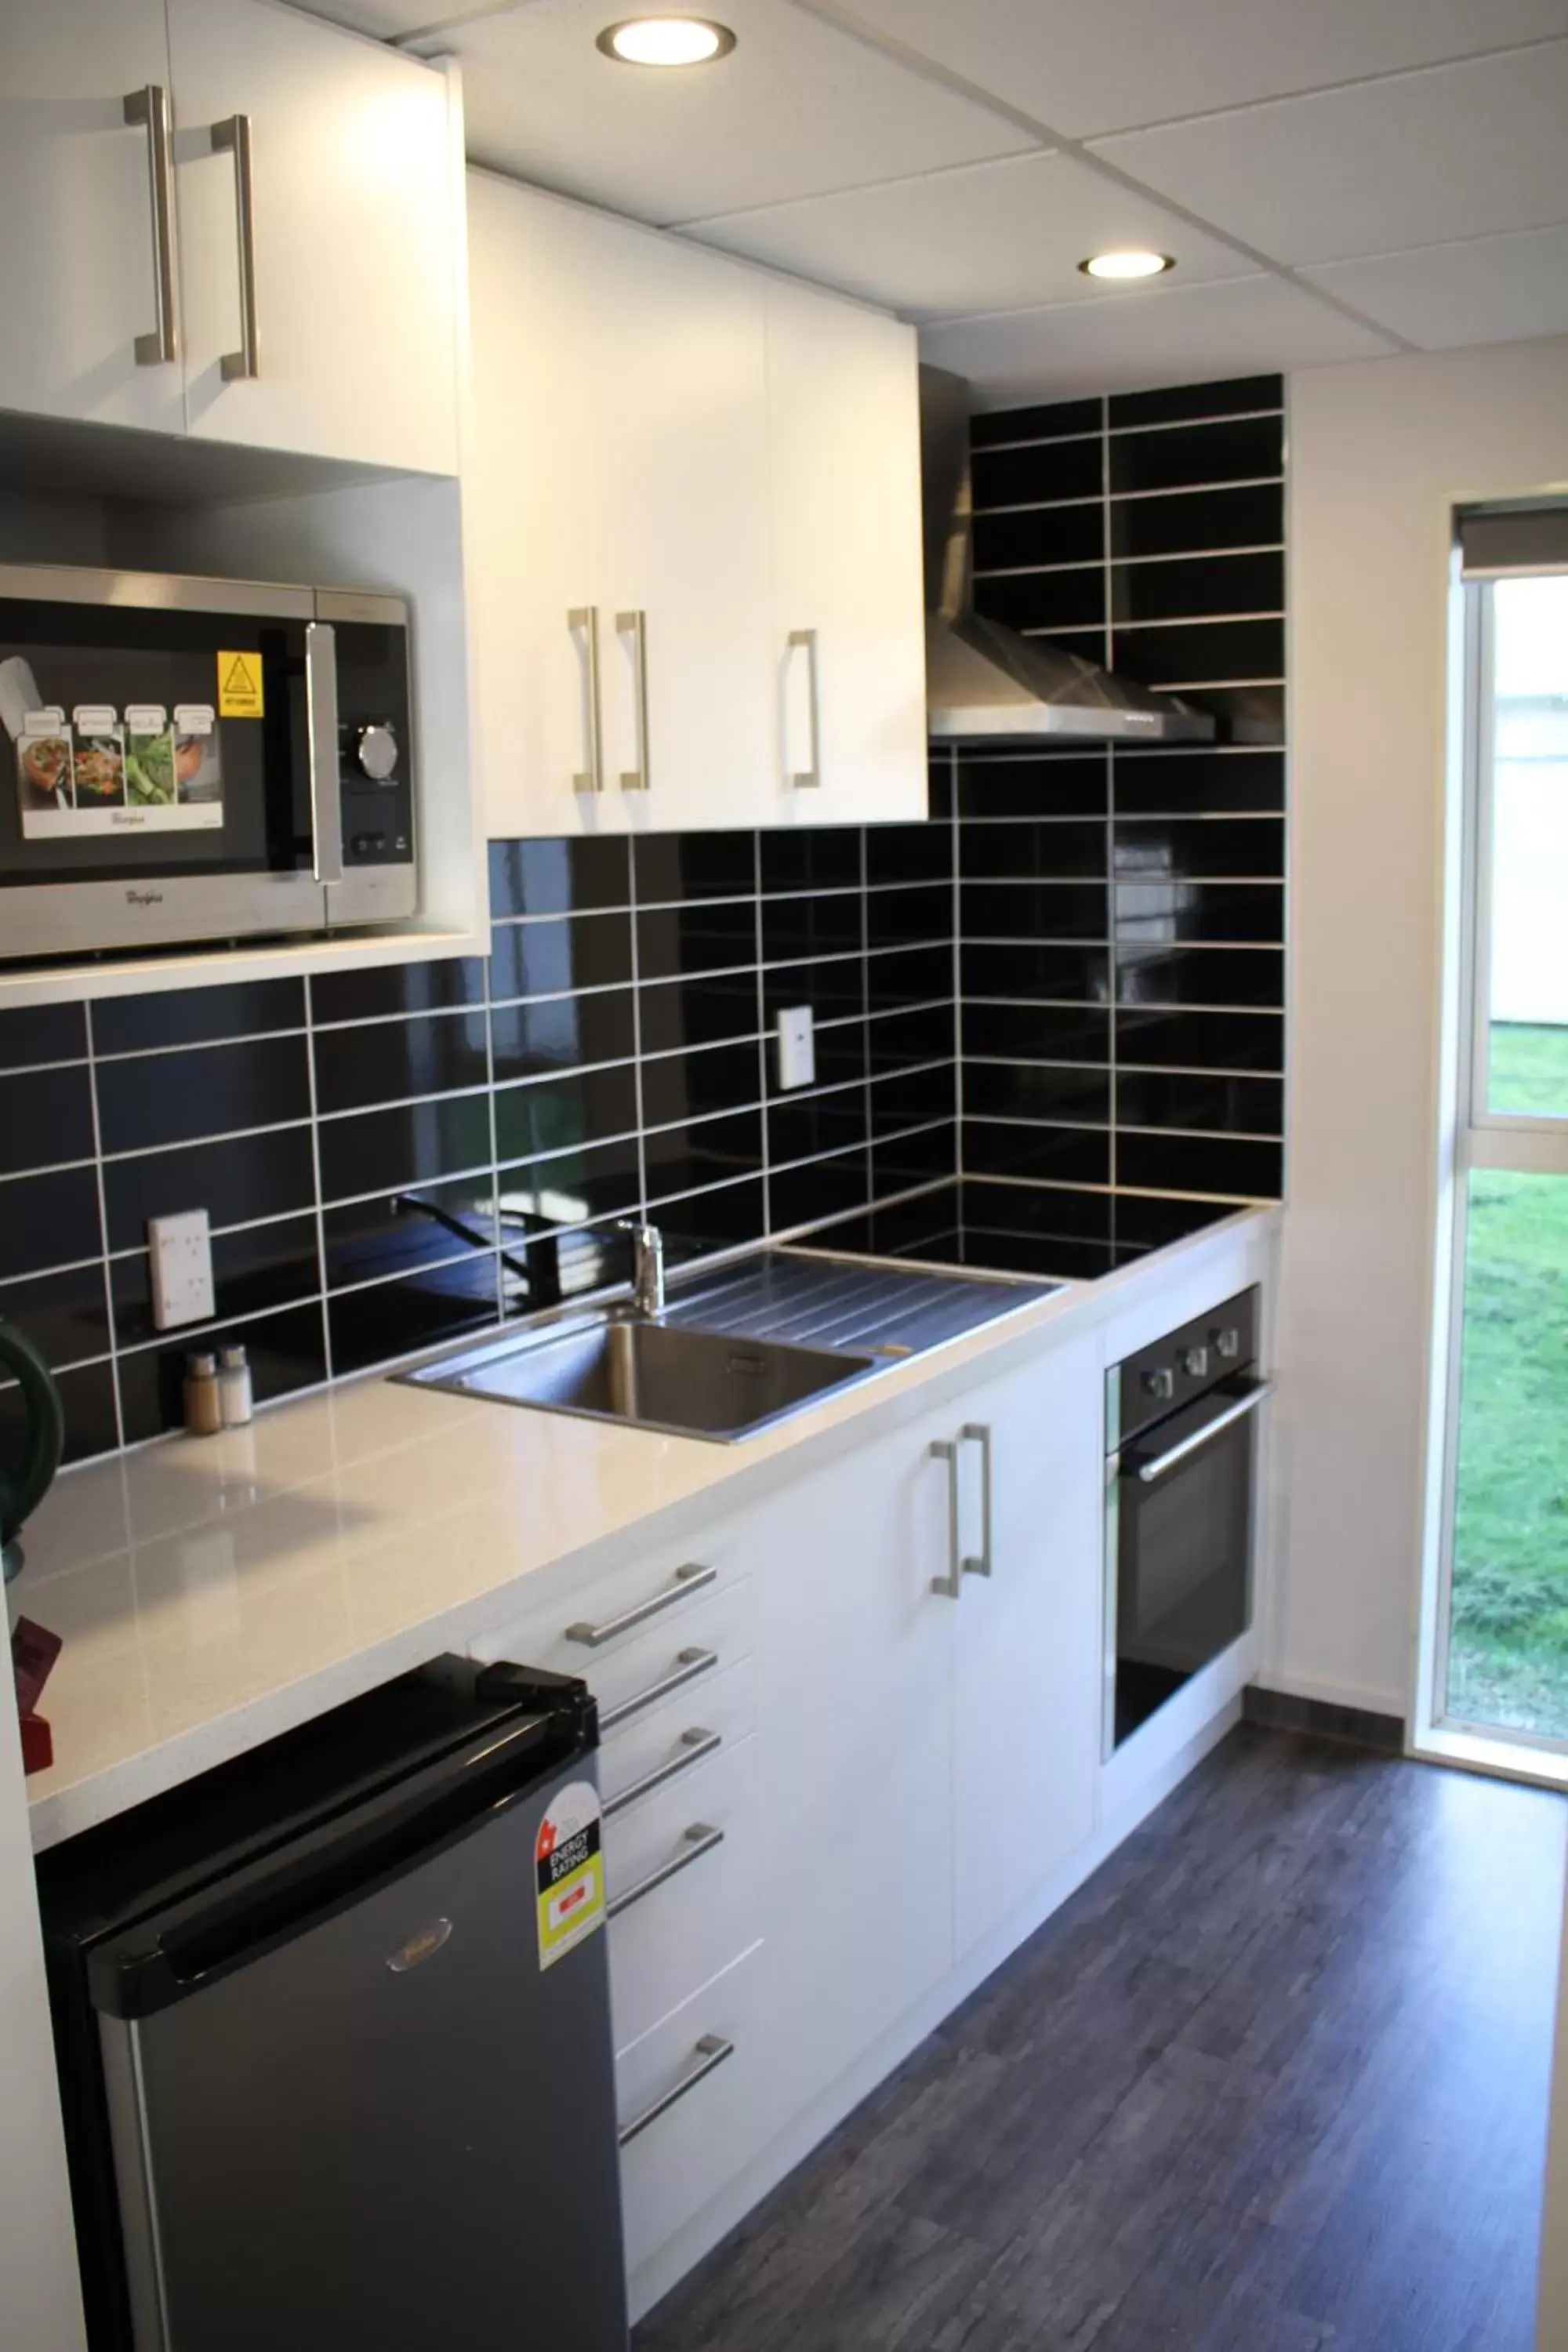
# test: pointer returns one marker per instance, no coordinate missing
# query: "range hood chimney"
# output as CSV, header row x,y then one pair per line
x,y
985,683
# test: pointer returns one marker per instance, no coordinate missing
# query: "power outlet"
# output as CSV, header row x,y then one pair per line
x,y
797,1047
182,1253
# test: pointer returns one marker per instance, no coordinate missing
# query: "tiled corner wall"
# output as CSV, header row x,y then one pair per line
x,y
397,1157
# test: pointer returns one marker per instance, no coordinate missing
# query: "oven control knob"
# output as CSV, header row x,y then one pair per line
x,y
1226,1344
1161,1385
1195,1362
375,751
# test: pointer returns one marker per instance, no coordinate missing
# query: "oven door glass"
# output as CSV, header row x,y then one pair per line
x,y
1183,1586
142,743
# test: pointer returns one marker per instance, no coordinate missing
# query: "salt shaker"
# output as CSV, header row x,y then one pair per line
x,y
235,1395
203,1403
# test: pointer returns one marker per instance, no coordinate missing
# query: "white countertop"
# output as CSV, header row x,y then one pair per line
x,y
213,1593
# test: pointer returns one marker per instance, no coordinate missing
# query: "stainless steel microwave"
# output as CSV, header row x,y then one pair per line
x,y
194,760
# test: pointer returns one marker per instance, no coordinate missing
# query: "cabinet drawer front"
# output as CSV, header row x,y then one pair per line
x,y
712,1635
659,1589
681,1870
663,1747
710,2061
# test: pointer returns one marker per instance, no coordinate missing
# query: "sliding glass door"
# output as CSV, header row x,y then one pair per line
x,y
1499,1655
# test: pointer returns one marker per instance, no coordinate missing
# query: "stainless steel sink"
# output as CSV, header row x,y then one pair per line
x,y
652,1375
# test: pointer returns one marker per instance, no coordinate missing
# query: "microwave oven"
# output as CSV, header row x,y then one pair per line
x,y
191,760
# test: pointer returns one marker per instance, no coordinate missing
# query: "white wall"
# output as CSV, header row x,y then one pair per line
x,y
40,2301
1379,453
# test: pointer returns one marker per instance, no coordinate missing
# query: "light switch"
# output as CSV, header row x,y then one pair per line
x,y
797,1047
182,1255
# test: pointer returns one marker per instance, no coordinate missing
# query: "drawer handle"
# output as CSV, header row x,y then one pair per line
x,y
585,617
232,137
710,2052
979,1433
694,1746
689,1665
804,641
689,1579
148,109
700,1839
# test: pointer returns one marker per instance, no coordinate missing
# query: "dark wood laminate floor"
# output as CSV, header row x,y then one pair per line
x,y
1274,2080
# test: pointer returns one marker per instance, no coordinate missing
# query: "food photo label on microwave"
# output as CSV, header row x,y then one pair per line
x,y
99,773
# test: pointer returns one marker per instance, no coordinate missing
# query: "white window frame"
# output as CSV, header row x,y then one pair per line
x,y
1479,1137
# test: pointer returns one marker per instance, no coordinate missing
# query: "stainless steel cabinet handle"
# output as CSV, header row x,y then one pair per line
x,y
232,136
322,741
689,1579
700,1839
951,1585
635,625
149,110
1148,1472
711,2051
804,641
689,1665
979,1433
585,617
693,1746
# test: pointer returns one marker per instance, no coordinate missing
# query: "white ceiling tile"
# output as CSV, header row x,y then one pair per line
x,y
989,237
1493,290
1085,68
797,109
1461,151
1238,326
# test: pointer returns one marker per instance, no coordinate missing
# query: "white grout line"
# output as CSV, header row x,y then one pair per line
x,y
316,1181
103,1230
1112,562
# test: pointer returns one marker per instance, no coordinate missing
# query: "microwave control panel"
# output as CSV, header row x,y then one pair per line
x,y
374,760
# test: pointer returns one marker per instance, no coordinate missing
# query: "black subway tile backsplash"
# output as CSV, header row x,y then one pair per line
x,y
397,1157
88,1396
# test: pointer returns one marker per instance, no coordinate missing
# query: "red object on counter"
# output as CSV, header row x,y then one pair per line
x,y
34,1650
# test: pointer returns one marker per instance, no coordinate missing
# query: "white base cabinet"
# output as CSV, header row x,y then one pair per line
x,y
692,513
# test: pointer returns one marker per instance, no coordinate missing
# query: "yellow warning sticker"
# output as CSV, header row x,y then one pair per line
x,y
569,1872
238,686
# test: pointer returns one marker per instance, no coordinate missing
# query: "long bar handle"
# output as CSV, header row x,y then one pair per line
x,y
804,641
951,1585
1149,1471
700,1839
693,1746
232,136
979,1433
585,618
321,745
148,109
711,2051
689,1579
689,1665
635,625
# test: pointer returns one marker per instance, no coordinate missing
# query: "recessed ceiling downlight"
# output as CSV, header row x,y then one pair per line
x,y
1133,263
666,41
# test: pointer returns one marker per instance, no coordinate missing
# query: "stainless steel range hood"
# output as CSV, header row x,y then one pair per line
x,y
985,683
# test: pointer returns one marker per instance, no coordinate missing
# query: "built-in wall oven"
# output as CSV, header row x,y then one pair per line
x,y
185,760
1182,1422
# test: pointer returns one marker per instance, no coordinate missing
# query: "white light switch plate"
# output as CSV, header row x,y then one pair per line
x,y
798,1047
182,1269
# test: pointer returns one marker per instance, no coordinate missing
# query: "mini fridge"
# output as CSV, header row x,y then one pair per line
x,y
334,2037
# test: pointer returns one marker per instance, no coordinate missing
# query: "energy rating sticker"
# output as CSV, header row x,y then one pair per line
x,y
569,1872
240,686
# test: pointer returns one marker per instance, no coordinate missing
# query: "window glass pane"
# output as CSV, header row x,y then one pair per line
x,y
1507,1650
1529,989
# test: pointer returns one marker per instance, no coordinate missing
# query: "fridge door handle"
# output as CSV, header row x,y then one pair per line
x,y
322,736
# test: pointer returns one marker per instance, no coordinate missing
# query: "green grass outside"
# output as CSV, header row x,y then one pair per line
x,y
1507,1660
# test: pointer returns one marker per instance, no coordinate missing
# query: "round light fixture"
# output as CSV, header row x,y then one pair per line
x,y
666,41
1131,264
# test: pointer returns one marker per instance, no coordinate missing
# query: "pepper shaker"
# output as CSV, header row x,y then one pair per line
x,y
203,1403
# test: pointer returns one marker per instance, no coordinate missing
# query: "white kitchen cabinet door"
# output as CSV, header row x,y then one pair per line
x,y
848,635
357,251
1026,1680
854,1655
79,261
527,516
680,478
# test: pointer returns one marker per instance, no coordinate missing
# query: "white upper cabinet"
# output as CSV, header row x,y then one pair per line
x,y
700,464
234,223
79,266
340,221
849,611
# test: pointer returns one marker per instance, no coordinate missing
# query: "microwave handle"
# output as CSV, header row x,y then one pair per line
x,y
321,732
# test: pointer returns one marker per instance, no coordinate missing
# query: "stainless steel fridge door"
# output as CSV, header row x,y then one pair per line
x,y
394,2133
